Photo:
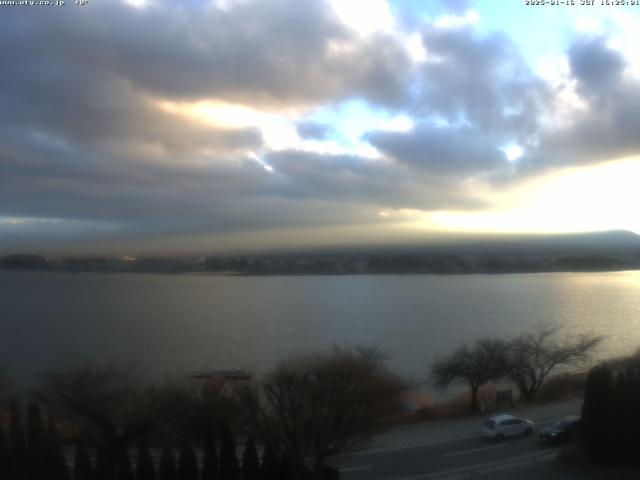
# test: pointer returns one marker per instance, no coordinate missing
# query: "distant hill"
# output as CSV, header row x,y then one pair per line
x,y
615,241
618,241
596,251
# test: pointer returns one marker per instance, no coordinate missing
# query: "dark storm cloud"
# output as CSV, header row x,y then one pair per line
x,y
43,178
475,95
89,76
253,51
84,138
480,80
607,128
85,186
82,106
597,68
608,133
369,182
443,150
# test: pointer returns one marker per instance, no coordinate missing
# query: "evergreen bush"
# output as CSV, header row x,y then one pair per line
x,y
188,463
167,469
210,469
82,468
250,462
145,469
229,467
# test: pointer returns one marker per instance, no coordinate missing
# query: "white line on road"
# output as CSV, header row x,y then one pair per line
x,y
376,450
473,450
518,463
356,469
514,461
407,447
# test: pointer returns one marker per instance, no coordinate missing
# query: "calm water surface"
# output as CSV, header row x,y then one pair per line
x,y
177,323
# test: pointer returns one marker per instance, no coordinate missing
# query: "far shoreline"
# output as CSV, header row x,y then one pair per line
x,y
310,274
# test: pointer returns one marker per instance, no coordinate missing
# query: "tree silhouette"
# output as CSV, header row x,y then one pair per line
x,y
318,405
108,405
145,469
229,468
610,415
57,463
270,464
250,462
286,469
105,469
37,443
624,403
82,468
5,457
534,356
167,470
484,362
125,472
210,457
188,463
17,443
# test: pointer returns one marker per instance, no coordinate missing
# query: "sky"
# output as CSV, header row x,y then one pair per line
x,y
213,125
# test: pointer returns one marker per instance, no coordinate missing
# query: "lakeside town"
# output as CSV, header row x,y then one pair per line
x,y
325,264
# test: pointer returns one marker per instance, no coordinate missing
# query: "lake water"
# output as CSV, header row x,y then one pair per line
x,y
178,323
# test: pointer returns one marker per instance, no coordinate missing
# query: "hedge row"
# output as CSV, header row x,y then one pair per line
x,y
36,453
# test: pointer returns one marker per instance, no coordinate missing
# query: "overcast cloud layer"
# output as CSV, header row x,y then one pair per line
x,y
227,116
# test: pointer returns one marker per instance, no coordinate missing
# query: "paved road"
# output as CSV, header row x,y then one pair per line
x,y
456,450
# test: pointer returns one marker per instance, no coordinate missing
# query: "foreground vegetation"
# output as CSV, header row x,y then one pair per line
x,y
527,361
610,427
306,409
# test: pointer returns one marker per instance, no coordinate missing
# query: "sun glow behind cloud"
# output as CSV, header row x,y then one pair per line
x,y
276,127
218,113
351,120
371,112
602,197
137,3
364,16
513,151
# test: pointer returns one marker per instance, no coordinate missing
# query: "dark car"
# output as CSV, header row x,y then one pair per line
x,y
562,431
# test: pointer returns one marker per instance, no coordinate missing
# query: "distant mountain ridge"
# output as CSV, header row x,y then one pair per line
x,y
606,241
594,251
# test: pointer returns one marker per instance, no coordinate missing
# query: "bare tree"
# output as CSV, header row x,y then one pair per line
x,y
314,406
535,355
477,365
107,407
194,409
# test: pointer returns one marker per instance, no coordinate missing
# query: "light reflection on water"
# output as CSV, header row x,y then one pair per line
x,y
177,323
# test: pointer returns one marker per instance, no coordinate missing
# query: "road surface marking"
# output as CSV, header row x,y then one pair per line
x,y
355,469
518,459
376,450
541,458
406,447
473,450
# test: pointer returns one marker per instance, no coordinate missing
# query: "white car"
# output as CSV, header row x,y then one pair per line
x,y
502,426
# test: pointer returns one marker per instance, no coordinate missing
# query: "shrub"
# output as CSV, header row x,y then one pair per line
x,y
610,415
82,469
